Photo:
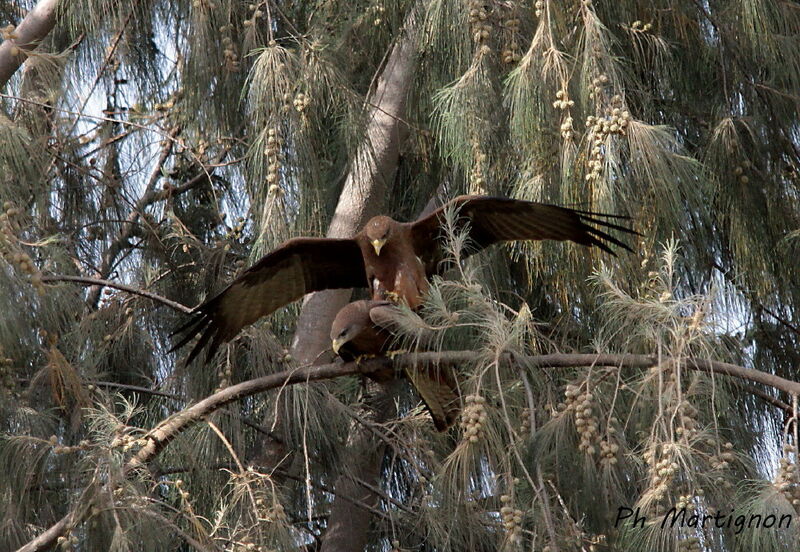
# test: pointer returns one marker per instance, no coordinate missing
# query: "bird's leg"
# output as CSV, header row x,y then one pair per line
x,y
360,360
365,357
391,354
392,296
380,373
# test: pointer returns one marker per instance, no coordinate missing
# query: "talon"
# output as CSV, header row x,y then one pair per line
x,y
363,358
392,354
392,296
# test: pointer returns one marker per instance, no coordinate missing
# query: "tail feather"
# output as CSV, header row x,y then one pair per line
x,y
438,388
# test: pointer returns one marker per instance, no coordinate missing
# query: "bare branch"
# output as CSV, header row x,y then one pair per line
x,y
170,428
621,361
121,122
110,254
135,389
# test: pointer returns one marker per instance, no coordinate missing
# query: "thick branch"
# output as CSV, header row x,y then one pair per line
x,y
168,430
622,361
29,33
171,427
161,436
49,537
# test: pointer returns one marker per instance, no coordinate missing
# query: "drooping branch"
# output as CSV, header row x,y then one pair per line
x,y
116,285
170,428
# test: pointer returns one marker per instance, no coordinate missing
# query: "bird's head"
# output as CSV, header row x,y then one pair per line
x,y
349,322
378,231
342,337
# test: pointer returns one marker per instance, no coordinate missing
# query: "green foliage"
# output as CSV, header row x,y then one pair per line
x,y
168,145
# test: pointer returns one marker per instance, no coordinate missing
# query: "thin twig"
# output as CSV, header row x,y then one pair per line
x,y
135,388
99,282
375,490
110,254
326,489
110,51
157,131
229,465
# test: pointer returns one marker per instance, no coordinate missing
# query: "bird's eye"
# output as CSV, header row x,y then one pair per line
x,y
343,333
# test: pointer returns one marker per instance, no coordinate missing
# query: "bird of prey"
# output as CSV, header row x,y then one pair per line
x,y
364,328
394,259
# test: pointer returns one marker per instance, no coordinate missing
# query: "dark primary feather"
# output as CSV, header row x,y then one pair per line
x,y
493,219
296,267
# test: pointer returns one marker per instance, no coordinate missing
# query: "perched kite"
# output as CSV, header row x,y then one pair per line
x,y
364,328
394,259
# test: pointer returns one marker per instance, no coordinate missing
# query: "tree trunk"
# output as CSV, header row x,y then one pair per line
x,y
361,198
348,523
36,25
364,189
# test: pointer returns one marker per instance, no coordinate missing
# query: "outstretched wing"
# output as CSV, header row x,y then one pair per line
x,y
495,219
296,267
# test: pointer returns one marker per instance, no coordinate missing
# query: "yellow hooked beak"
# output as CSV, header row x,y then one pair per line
x,y
378,245
337,344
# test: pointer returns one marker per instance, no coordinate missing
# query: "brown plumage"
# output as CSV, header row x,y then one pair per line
x,y
394,259
364,328
355,332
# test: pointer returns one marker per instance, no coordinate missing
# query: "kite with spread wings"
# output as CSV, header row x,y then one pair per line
x,y
365,328
394,259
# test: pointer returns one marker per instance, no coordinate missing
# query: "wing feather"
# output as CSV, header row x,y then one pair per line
x,y
438,389
493,219
296,267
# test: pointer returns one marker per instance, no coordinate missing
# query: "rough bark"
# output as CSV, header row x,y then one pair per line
x,y
29,33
